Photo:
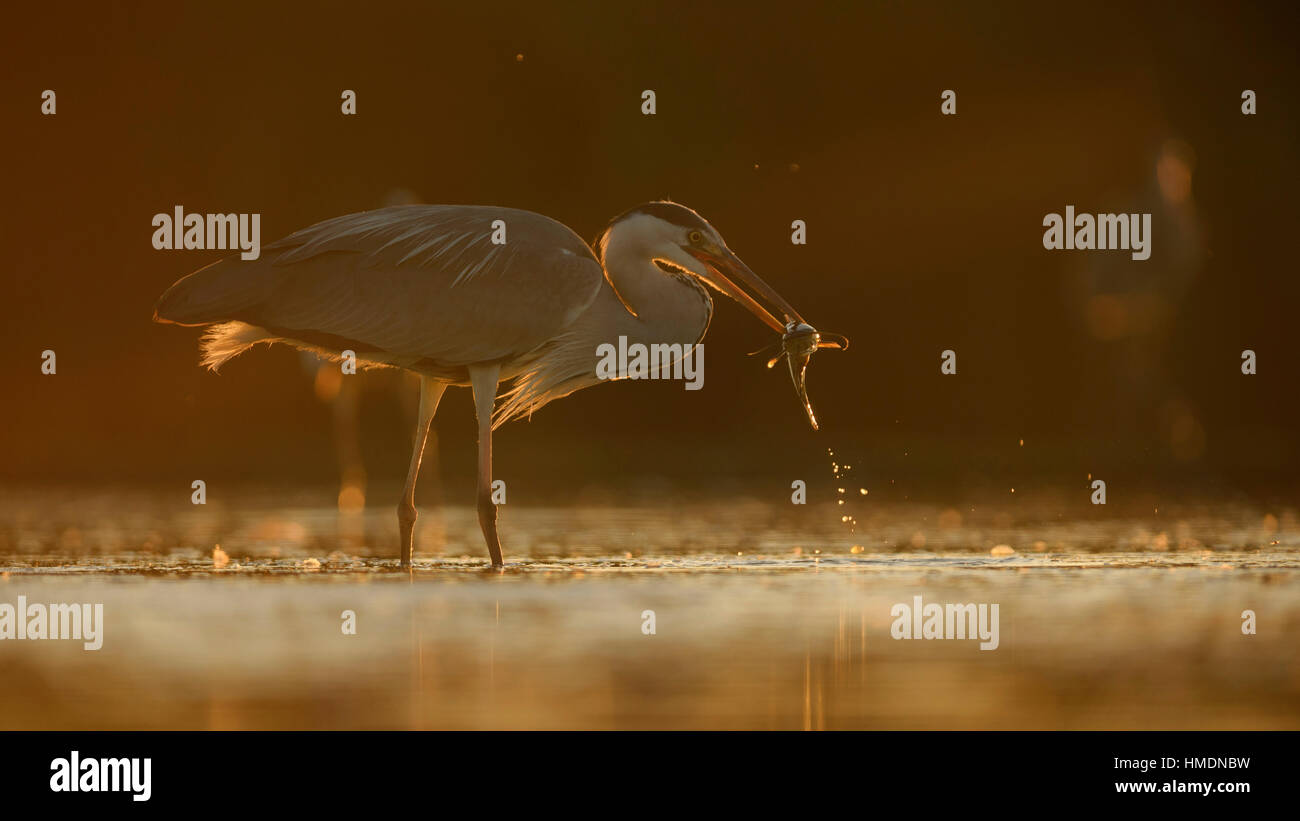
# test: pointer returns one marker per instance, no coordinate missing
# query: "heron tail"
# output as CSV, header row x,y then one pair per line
x,y
222,343
214,296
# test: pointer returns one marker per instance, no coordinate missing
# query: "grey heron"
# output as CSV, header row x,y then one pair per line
x,y
430,289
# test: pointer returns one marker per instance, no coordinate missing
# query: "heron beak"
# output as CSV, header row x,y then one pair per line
x,y
727,270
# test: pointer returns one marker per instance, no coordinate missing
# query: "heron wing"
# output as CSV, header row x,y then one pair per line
x,y
416,281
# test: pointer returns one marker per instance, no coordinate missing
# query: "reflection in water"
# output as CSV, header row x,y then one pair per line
x,y
1127,622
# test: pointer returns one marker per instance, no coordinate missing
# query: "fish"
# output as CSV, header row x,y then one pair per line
x,y
797,345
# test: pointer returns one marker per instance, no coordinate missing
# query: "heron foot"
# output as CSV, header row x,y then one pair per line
x,y
406,517
487,521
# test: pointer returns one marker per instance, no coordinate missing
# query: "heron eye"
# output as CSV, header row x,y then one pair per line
x,y
695,237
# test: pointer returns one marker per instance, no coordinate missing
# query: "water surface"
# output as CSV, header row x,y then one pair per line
x,y
765,617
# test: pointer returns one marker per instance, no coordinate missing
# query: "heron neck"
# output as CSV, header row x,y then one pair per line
x,y
663,307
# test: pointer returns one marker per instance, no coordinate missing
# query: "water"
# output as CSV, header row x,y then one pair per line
x,y
766,616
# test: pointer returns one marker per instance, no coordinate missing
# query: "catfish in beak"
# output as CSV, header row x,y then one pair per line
x,y
799,340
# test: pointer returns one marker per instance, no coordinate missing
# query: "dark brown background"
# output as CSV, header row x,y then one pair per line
x,y
924,231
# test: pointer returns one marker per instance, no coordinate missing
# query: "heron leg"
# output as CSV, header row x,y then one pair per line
x,y
483,379
430,393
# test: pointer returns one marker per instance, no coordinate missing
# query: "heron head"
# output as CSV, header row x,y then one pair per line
x,y
681,241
